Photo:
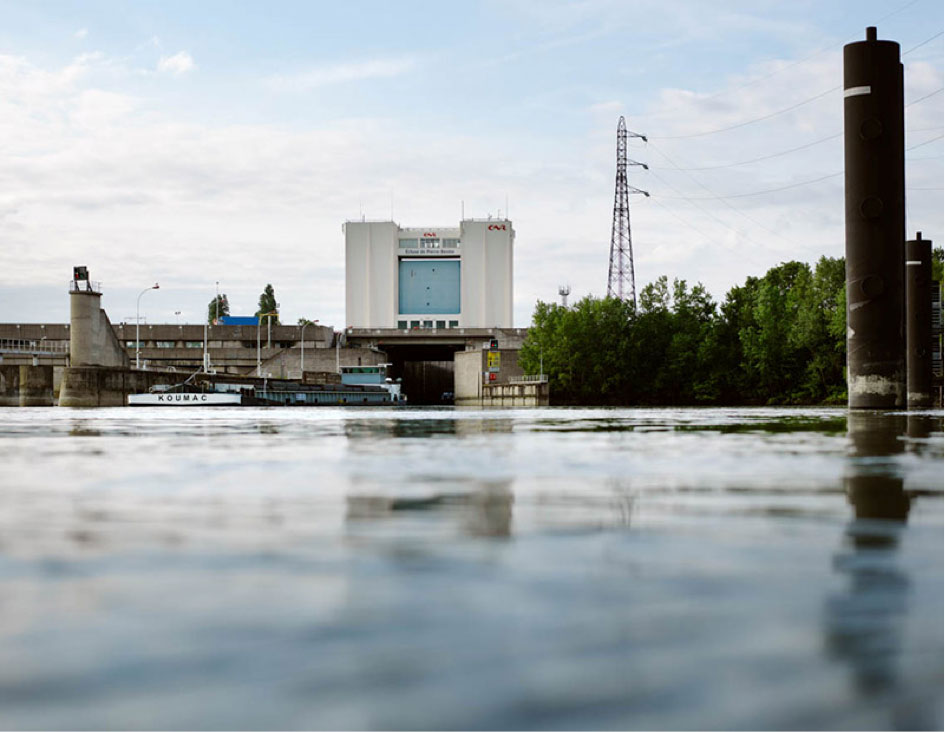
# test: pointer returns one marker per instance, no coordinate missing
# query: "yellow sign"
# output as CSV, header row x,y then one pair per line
x,y
493,360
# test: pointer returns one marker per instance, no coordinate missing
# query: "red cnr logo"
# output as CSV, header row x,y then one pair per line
x,y
429,233
496,227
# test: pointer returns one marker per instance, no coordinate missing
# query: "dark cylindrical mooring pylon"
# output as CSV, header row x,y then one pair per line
x,y
875,222
919,322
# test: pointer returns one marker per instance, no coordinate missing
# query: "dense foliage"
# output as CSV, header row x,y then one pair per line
x,y
268,304
778,339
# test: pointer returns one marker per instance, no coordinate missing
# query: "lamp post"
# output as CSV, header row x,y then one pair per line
x,y
155,286
258,348
302,338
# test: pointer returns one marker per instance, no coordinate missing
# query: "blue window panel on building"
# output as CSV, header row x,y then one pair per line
x,y
429,286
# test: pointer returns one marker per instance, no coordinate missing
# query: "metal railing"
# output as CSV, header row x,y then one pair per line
x,y
85,286
33,346
529,379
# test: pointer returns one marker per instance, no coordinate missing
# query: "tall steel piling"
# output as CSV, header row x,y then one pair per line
x,y
875,222
919,322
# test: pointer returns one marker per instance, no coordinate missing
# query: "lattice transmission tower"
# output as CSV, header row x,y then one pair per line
x,y
621,281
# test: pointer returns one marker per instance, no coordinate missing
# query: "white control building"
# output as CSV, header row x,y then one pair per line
x,y
429,277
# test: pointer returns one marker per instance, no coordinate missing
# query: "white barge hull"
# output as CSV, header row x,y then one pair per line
x,y
183,400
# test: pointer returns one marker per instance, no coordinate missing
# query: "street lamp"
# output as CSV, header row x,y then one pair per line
x,y
258,349
155,286
302,338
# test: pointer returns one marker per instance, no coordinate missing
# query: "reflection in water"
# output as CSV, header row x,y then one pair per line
x,y
481,508
80,428
865,622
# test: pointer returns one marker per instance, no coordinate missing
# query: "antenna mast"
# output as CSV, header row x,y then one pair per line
x,y
621,281
564,291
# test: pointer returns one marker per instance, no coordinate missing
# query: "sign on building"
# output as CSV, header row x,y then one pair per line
x,y
493,361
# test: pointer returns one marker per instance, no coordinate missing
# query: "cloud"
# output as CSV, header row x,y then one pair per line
x,y
81,33
118,182
179,63
341,73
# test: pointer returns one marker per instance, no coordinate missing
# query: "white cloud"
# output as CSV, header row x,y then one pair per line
x,y
179,63
341,73
106,179
81,33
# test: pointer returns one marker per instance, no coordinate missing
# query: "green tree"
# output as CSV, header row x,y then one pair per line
x,y
268,304
218,307
937,267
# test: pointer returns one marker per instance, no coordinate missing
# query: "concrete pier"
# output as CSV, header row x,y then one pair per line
x,y
97,386
9,385
36,386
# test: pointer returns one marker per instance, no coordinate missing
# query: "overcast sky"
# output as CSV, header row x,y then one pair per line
x,y
192,143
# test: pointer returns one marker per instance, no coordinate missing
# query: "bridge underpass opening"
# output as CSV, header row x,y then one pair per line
x,y
426,370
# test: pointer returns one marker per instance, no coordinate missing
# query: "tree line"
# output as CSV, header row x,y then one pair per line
x,y
776,339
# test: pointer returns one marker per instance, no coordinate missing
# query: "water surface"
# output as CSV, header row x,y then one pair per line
x,y
476,569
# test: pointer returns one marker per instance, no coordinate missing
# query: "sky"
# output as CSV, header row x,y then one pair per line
x,y
192,144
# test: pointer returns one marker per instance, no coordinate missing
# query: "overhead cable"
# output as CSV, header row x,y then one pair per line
x,y
921,144
922,99
751,121
719,198
758,160
777,71
919,45
760,193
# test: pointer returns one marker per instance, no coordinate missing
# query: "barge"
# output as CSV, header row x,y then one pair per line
x,y
361,386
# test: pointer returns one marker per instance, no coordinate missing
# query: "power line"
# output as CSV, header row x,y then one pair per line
x,y
791,65
788,109
922,99
921,144
719,198
777,154
758,160
760,193
919,45
751,121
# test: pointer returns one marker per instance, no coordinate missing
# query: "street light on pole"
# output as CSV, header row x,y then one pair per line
x,y
155,286
302,338
258,348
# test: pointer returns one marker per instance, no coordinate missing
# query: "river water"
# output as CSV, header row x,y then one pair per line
x,y
477,569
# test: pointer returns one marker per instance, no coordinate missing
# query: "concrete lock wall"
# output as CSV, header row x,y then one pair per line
x,y
287,363
9,385
515,395
36,386
23,385
471,388
467,376
92,341
105,387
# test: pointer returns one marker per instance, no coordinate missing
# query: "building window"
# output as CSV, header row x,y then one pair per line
x,y
454,324
133,344
429,243
441,324
164,344
408,243
414,323
451,243
427,323
193,344
402,324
